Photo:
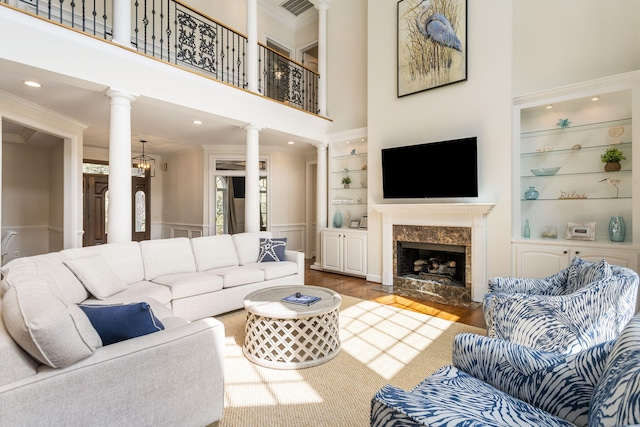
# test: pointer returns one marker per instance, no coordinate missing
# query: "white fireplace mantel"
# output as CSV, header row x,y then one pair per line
x,y
471,215
435,208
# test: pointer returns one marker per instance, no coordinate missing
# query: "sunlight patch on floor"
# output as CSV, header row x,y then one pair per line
x,y
387,338
253,385
407,304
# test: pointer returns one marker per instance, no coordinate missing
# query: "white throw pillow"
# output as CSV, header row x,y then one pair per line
x,y
53,331
96,275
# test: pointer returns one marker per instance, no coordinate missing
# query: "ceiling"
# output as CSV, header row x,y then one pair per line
x,y
167,128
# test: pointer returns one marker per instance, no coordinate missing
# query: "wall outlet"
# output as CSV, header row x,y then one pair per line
x,y
16,254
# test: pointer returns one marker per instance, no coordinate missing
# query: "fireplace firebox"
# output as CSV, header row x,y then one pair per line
x,y
444,264
433,263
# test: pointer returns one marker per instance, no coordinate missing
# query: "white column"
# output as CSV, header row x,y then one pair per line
x,y
323,7
251,187
321,201
122,23
252,45
119,228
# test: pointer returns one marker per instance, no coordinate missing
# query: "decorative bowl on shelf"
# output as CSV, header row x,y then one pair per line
x,y
545,171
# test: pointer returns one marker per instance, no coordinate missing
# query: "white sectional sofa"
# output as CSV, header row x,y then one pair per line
x,y
54,368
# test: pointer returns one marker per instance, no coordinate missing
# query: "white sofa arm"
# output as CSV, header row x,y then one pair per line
x,y
298,258
168,378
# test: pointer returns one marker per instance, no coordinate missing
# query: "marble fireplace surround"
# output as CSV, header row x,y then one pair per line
x,y
471,215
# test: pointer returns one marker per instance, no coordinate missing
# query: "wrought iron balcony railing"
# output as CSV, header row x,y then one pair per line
x,y
175,33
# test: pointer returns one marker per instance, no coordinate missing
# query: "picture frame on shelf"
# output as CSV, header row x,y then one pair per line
x,y
581,231
364,221
354,223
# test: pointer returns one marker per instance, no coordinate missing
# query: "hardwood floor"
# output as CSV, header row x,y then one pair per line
x,y
360,288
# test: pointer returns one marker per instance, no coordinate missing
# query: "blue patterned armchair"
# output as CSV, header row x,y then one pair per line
x,y
583,305
493,382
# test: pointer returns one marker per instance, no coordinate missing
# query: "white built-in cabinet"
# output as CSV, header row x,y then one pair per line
x,y
344,251
344,243
600,114
543,260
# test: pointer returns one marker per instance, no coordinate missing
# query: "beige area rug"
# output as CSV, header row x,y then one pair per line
x,y
380,345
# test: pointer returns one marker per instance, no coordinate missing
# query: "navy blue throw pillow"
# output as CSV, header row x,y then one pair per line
x,y
119,322
272,249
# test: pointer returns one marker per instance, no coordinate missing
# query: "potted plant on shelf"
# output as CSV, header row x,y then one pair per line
x,y
346,181
611,159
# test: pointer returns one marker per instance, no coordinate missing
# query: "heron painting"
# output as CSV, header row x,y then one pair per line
x,y
432,44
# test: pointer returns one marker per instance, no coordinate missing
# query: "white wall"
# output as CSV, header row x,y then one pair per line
x,y
26,198
183,189
556,43
347,63
480,106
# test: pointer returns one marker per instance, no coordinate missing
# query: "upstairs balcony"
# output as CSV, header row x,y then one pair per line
x,y
173,32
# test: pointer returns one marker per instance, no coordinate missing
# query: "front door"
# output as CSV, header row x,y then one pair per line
x,y
96,203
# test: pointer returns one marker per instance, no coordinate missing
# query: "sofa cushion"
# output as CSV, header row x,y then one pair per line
x,y
214,252
189,284
167,256
248,245
125,259
582,272
139,291
115,323
272,249
51,268
275,270
236,276
96,275
53,331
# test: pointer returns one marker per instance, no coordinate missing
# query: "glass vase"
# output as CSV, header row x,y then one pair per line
x,y
617,229
531,194
337,220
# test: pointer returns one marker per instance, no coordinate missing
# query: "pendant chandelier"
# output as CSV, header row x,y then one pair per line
x,y
144,163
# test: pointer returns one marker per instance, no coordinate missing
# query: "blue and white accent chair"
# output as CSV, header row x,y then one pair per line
x,y
498,383
583,305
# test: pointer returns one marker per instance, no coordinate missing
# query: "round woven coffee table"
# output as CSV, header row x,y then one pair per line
x,y
283,335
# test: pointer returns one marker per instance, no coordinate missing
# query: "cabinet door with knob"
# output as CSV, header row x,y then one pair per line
x,y
345,252
540,260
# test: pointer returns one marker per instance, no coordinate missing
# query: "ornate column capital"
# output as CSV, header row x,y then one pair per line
x,y
321,4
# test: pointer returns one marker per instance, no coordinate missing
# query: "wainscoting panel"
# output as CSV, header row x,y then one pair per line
x,y
28,242
295,234
181,230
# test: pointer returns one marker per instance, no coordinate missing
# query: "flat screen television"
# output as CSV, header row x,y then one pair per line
x,y
443,169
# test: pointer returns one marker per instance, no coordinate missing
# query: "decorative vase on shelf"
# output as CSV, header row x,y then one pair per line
x,y
337,220
531,194
617,229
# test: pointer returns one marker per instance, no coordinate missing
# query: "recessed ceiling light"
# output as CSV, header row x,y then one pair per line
x,y
197,122
595,98
549,107
31,83
290,142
